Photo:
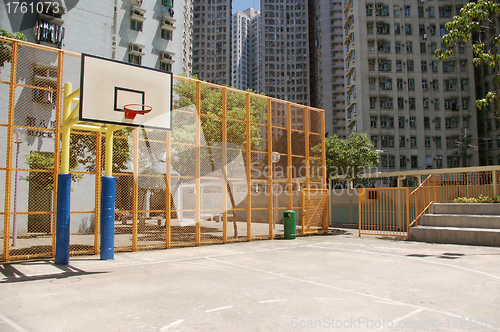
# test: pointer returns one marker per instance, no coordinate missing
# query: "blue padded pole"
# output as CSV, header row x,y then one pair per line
x,y
108,188
62,218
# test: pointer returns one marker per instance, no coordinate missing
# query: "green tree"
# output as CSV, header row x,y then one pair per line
x,y
349,157
479,22
5,47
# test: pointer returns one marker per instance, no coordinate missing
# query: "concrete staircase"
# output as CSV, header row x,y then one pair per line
x,y
468,223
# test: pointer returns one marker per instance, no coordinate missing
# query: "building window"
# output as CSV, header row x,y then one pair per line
x,y
414,162
373,102
135,53
409,66
401,104
411,84
438,141
413,122
397,47
435,85
427,141
425,103
369,28
408,29
439,161
464,84
436,104
409,47
402,161
407,11
397,29
402,141
431,11
369,10
135,25
465,103
437,123
401,122
387,122
136,18
423,64
434,66
374,140
371,46
423,48
387,141
427,123
399,65
371,84
373,122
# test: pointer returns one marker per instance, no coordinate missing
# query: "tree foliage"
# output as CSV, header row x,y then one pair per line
x,y
6,48
477,21
348,157
185,118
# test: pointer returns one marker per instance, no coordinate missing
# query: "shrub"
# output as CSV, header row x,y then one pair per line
x,y
478,199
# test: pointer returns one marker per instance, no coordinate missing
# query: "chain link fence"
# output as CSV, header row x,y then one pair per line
x,y
230,166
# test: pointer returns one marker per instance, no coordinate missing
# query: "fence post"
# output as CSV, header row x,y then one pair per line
x,y
494,180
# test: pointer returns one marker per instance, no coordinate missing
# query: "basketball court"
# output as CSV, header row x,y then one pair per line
x,y
338,282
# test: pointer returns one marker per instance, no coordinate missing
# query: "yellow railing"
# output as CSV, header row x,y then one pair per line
x,y
392,211
441,188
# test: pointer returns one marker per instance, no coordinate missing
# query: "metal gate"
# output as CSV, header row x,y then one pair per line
x,y
314,210
384,211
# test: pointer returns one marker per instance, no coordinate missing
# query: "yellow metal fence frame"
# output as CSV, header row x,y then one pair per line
x,y
313,130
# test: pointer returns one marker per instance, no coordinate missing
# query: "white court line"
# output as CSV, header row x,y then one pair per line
x,y
374,297
98,265
269,301
221,308
171,324
409,257
12,324
399,319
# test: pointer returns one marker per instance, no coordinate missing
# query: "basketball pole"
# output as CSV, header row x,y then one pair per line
x,y
108,185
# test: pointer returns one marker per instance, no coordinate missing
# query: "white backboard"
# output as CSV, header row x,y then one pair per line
x,y
107,85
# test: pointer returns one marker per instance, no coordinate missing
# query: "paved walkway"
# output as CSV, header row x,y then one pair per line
x,y
336,282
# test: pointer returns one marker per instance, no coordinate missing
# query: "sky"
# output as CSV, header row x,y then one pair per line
x,y
242,5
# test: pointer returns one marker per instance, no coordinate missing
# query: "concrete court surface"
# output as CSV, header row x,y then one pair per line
x,y
336,282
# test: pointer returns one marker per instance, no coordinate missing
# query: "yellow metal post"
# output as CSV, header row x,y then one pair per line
x,y
108,154
198,164
66,129
224,166
289,156
135,200
248,170
270,173
57,141
168,206
10,135
97,213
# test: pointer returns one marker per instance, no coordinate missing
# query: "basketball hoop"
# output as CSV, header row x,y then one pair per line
x,y
131,110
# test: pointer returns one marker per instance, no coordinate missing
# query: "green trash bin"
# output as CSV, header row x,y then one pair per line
x,y
289,224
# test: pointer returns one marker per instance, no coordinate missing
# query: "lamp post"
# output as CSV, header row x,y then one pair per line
x,y
274,159
18,139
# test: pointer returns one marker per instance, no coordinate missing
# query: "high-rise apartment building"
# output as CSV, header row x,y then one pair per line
x,y
212,40
154,34
285,50
329,71
255,76
414,108
243,42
